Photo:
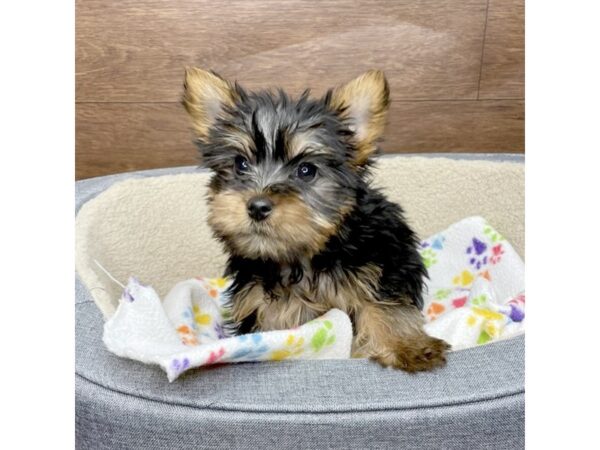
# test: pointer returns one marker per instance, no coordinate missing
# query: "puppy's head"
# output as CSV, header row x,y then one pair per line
x,y
285,170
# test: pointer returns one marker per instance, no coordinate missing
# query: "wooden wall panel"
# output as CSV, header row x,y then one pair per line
x,y
135,50
119,137
448,64
503,64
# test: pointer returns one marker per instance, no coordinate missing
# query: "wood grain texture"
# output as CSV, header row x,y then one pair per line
x,y
135,50
503,64
440,57
119,137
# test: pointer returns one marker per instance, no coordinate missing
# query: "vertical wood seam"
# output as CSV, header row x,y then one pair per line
x,y
487,8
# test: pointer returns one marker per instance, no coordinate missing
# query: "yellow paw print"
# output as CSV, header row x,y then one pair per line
x,y
487,314
218,282
295,348
199,318
464,279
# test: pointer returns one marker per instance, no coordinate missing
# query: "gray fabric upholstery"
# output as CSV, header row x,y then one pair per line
x,y
477,401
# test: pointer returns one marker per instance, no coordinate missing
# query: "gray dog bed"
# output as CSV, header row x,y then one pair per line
x,y
476,401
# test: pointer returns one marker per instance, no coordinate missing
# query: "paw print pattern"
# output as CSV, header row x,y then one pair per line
x,y
437,243
255,348
200,318
215,356
180,365
476,251
492,234
428,250
434,310
497,252
441,294
294,347
220,331
459,302
479,300
429,257
323,337
187,335
464,279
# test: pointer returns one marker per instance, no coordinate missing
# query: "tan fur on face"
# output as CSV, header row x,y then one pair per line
x,y
292,228
365,101
301,142
204,96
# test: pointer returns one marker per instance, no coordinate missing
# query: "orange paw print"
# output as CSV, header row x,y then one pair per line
x,y
187,336
434,310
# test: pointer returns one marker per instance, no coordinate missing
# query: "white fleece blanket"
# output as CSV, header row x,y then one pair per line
x,y
474,295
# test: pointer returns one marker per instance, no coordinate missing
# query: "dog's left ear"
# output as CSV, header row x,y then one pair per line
x,y
204,98
364,102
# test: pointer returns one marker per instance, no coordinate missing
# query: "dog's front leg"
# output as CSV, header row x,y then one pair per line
x,y
392,335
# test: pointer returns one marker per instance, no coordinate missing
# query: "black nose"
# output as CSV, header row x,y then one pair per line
x,y
259,208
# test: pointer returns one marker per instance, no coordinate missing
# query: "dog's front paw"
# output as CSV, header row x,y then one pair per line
x,y
419,355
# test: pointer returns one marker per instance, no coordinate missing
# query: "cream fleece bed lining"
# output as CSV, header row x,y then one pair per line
x,y
155,228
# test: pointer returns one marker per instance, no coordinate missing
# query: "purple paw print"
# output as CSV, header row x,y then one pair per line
x,y
180,366
220,331
477,251
516,314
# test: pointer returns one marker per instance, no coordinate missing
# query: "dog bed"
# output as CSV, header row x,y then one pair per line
x,y
475,402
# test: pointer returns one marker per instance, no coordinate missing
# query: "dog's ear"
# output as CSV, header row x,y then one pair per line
x,y
363,102
204,97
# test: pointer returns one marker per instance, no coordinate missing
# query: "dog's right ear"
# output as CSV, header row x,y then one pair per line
x,y
205,94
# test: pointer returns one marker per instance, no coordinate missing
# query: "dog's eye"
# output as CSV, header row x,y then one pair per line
x,y
306,171
241,165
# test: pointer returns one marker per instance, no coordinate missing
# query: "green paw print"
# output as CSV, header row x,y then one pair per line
x,y
479,300
441,294
492,234
483,338
323,336
429,257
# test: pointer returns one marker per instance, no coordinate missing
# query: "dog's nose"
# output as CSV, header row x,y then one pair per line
x,y
259,208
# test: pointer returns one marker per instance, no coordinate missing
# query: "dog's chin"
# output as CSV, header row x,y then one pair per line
x,y
258,243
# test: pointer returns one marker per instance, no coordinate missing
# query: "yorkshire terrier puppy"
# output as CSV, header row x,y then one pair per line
x,y
292,203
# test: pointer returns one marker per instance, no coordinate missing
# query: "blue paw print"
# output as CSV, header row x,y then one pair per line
x,y
437,243
253,349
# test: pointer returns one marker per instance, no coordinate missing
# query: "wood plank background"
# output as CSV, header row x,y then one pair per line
x,y
456,69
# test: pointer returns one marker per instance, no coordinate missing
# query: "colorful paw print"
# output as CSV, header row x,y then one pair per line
x,y
429,257
497,252
294,347
476,251
459,302
180,365
323,337
492,234
464,279
437,243
200,318
187,335
255,348
489,332
479,300
434,310
220,331
213,285
516,314
215,356
441,294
